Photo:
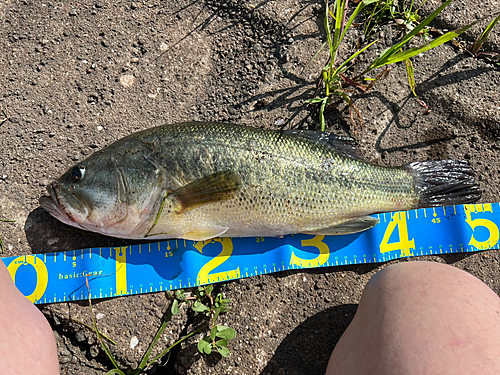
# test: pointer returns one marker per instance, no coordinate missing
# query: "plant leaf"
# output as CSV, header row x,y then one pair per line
x,y
213,332
404,55
339,69
480,41
199,307
223,351
221,342
381,60
204,345
315,100
224,332
175,307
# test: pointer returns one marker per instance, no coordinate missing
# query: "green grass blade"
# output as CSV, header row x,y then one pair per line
x,y
322,114
358,9
401,56
480,41
339,69
410,74
160,331
411,80
381,60
98,333
314,57
176,343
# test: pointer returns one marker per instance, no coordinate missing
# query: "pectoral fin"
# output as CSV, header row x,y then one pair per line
x,y
217,187
205,233
348,227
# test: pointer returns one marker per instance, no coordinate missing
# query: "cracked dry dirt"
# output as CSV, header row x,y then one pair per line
x,y
77,76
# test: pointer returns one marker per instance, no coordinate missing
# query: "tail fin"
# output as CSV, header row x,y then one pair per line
x,y
444,182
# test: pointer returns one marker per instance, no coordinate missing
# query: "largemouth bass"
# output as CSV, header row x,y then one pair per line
x,y
199,180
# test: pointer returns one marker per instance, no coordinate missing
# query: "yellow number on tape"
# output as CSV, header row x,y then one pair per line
x,y
491,226
204,276
42,275
324,253
404,244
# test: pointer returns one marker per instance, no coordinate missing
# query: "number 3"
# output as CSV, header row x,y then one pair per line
x,y
324,253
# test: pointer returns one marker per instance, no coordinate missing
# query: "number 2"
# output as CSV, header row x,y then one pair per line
x,y
204,276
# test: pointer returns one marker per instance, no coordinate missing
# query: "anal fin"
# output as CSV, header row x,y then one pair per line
x,y
206,233
356,225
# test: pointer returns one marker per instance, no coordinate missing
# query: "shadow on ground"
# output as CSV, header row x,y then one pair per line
x,y
307,349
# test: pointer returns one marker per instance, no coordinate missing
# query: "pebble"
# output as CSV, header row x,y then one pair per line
x,y
279,122
14,119
99,316
94,351
127,80
73,13
80,336
63,360
134,341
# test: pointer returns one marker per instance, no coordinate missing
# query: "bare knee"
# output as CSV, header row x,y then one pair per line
x,y
422,317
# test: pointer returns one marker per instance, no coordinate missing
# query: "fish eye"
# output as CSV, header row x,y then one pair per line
x,y
78,172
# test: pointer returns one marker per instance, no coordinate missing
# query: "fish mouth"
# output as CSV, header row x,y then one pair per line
x,y
64,205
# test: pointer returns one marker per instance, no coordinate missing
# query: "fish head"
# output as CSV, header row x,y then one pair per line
x,y
106,193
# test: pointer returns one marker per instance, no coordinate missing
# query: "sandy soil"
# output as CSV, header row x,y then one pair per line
x,y
76,77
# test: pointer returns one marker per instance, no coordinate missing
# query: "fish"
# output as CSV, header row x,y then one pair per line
x,y
199,180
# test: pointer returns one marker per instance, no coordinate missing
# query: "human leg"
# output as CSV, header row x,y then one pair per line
x,y
422,318
27,344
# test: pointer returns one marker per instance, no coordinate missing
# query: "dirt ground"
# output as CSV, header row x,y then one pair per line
x,y
75,76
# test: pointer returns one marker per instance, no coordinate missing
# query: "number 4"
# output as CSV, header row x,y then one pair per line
x,y
404,244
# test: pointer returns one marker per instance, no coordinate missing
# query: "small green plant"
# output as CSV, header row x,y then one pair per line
x,y
334,75
392,10
476,47
202,301
219,335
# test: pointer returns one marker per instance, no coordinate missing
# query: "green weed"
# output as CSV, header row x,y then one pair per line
x,y
476,47
380,12
334,75
202,301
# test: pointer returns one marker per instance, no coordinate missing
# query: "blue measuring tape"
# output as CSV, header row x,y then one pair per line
x,y
176,264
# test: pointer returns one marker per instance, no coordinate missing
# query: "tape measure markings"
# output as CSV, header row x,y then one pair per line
x,y
165,266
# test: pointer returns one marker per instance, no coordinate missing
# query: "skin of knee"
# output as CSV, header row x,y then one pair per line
x,y
27,343
422,318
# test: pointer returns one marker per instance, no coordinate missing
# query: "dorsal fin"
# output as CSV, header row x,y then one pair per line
x,y
345,146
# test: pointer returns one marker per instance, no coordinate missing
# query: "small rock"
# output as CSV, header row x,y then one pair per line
x,y
127,80
134,341
99,5
73,13
14,119
94,351
99,316
80,336
133,6
279,122
63,360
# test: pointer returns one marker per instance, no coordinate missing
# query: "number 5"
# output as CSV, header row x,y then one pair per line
x,y
491,226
